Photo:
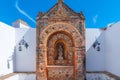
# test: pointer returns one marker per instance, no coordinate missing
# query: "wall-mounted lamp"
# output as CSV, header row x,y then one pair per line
x,y
96,45
24,43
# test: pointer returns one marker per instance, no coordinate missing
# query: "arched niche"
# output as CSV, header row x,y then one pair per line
x,y
60,49
73,43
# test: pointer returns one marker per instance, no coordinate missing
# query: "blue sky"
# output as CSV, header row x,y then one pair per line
x,y
98,13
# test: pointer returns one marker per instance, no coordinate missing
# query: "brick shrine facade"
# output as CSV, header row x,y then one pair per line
x,y
60,53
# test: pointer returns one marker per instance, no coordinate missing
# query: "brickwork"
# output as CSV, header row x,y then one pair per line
x,y
61,44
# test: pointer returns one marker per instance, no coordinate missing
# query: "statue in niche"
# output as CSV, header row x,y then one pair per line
x,y
60,52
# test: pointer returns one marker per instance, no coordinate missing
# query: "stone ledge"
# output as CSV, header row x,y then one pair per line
x,y
25,72
7,76
13,74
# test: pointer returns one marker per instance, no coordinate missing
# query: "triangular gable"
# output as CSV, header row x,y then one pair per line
x,y
60,10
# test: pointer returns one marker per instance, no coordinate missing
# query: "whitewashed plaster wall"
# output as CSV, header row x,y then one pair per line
x,y
21,61
95,60
19,34
91,35
7,43
108,58
24,26
113,49
25,60
18,24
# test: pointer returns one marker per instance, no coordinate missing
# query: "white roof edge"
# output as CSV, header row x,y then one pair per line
x,y
6,24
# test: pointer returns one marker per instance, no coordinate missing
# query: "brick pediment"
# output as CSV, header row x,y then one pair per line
x,y
61,11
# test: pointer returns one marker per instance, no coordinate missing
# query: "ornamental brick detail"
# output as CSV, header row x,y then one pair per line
x,y
60,50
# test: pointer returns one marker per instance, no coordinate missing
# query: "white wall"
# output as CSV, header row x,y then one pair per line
x,y
108,58
7,43
24,26
113,49
20,24
19,61
95,60
19,34
91,35
26,59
